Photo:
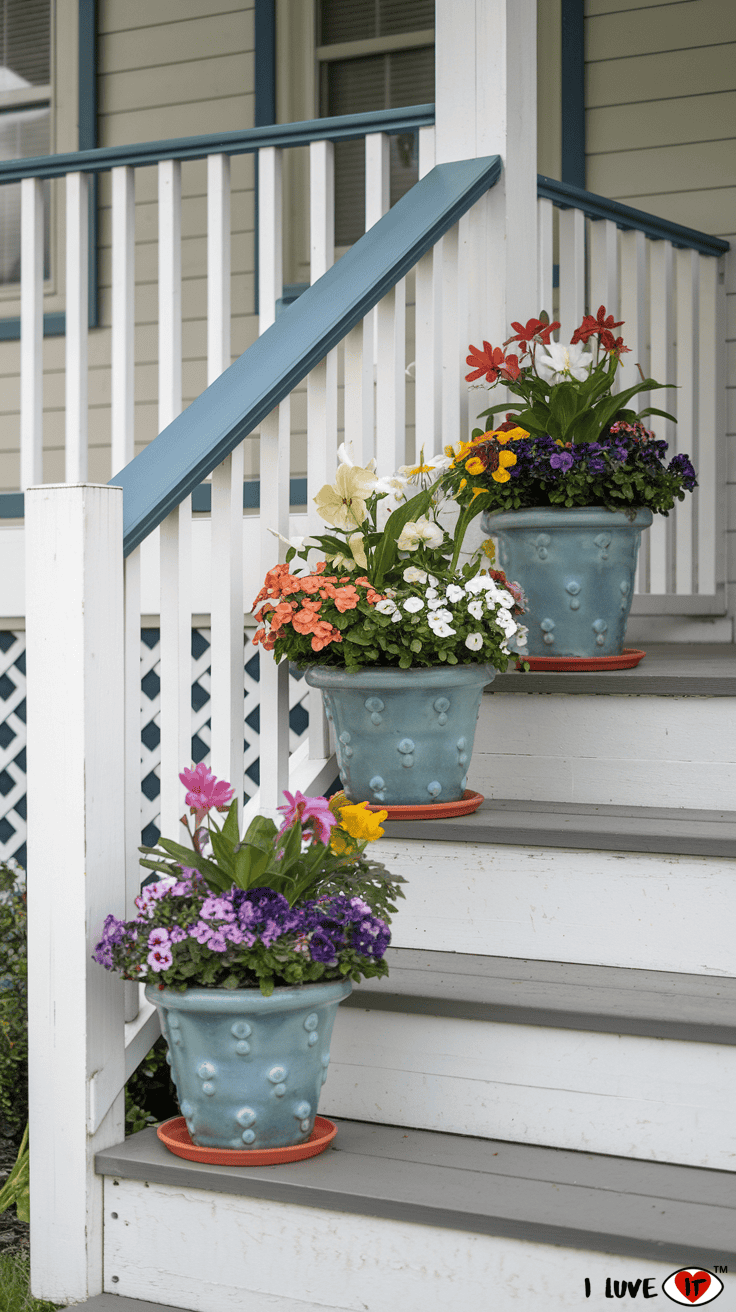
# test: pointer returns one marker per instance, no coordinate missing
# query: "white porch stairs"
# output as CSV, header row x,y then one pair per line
x,y
542,1091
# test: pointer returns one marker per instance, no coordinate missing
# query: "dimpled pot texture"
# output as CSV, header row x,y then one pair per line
x,y
249,1070
577,568
403,737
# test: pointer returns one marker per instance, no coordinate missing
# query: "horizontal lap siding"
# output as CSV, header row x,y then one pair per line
x,y
164,70
661,135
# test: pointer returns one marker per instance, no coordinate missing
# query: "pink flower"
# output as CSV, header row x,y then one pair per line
x,y
204,791
160,959
306,809
158,938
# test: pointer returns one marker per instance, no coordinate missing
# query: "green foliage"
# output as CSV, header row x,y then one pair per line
x,y
15,1285
150,1096
13,1001
15,1191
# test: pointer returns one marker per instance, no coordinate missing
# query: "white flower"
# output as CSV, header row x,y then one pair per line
x,y
296,542
341,562
413,604
431,593
434,603
455,592
475,608
420,532
393,486
396,617
386,607
475,585
564,362
434,464
357,546
440,629
522,634
506,622
474,641
432,580
413,575
444,615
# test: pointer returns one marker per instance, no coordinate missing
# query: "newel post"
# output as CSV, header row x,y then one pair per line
x,y
486,104
76,871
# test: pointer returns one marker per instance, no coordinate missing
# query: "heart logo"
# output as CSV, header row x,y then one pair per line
x,y
692,1284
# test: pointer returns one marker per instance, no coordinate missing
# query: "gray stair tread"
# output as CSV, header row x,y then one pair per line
x,y
112,1303
556,994
680,831
668,670
542,1195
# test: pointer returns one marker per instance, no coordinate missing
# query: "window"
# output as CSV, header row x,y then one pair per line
x,y
373,54
25,112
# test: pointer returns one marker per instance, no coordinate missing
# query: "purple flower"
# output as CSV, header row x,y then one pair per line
x,y
322,948
217,908
201,931
218,942
158,938
160,958
562,460
177,934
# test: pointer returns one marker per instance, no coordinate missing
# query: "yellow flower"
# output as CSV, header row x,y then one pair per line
x,y
475,465
341,843
505,460
489,549
361,823
343,503
464,483
337,802
477,490
513,435
357,547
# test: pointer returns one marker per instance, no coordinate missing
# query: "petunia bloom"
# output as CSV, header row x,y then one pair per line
x,y
205,791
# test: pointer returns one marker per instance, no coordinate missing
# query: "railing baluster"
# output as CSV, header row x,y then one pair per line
x,y
545,255
634,305
428,331
31,333
358,363
132,731
176,663
122,352
687,356
218,266
452,358
661,272
169,292
389,321
572,271
77,325
711,334
270,235
274,679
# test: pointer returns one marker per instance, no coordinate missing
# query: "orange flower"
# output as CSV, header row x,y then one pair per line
x,y
324,634
312,583
346,598
306,621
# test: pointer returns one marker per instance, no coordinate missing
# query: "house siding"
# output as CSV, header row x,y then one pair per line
x,y
661,135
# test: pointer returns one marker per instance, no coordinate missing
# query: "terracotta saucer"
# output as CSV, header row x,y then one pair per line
x,y
174,1135
629,657
469,802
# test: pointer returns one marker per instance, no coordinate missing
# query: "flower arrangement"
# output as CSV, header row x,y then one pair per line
x,y
287,905
570,440
413,606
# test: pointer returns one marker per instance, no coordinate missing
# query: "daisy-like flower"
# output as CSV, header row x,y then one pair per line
x,y
413,575
413,604
432,465
561,362
455,592
419,533
474,641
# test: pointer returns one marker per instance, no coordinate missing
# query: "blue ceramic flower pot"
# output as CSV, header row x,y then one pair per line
x,y
403,737
577,568
249,1070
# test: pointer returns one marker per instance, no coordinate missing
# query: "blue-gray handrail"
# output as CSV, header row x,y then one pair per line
x,y
176,461
565,196
345,127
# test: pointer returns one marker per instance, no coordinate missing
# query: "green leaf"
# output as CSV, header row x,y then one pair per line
x,y
387,551
230,828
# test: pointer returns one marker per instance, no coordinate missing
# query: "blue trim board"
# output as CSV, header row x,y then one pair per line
x,y
12,504
566,196
345,127
200,438
572,96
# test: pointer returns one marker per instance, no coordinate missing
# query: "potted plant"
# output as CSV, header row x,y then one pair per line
x,y
569,480
400,639
247,946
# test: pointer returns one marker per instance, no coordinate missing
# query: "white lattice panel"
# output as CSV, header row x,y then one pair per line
x,y
13,746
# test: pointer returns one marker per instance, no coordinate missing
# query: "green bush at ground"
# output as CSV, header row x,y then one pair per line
x,y
13,1002
15,1286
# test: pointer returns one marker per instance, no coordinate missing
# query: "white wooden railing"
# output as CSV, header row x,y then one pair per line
x,y
666,283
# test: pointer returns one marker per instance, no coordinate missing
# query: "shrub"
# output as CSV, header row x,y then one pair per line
x,y
13,1001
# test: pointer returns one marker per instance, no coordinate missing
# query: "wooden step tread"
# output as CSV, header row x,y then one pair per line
x,y
668,670
559,995
112,1303
679,831
542,1195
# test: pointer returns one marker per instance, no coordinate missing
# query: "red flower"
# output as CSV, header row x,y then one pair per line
x,y
491,361
611,343
534,328
591,327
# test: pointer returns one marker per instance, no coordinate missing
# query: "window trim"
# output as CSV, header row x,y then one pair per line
x,y
80,106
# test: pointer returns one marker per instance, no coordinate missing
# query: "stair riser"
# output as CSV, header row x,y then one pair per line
x,y
279,1257
556,904
620,751
659,1099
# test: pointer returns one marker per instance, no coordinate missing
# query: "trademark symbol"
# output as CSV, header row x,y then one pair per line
x,y
721,1270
